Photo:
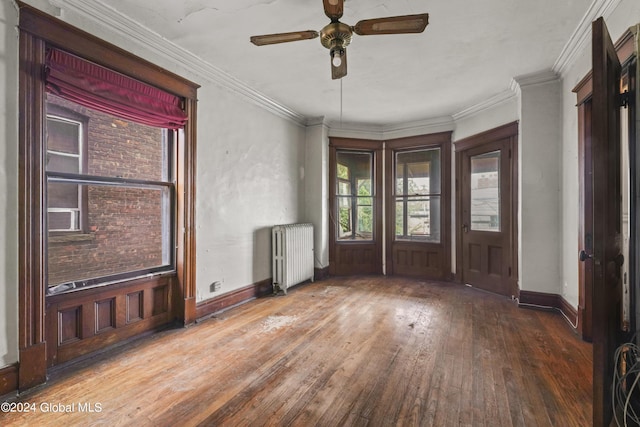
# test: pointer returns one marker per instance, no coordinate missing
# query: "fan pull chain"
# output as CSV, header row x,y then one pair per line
x,y
340,102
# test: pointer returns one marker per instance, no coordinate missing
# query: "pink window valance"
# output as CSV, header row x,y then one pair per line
x,y
105,90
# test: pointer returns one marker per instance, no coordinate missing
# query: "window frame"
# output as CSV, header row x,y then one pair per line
x,y
37,31
57,112
354,199
405,197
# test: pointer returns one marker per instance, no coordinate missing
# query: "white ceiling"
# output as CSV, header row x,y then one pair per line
x,y
469,52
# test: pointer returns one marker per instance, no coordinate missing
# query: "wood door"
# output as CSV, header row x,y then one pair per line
x,y
486,204
355,207
607,250
585,222
418,206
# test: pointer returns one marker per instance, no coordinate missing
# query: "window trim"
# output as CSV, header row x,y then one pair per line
x,y
37,30
406,198
354,199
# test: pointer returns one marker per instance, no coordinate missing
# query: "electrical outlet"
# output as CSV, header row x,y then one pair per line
x,y
216,286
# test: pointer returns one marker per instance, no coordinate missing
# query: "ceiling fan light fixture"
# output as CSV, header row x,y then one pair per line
x,y
336,57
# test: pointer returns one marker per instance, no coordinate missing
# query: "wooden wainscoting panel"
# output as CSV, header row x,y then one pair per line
x,y
69,325
105,315
135,305
160,300
96,318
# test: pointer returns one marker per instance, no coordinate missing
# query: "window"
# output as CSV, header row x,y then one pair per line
x,y
66,207
354,195
417,195
485,192
111,182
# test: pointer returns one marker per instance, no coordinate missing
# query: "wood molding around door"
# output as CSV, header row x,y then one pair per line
x,y
495,254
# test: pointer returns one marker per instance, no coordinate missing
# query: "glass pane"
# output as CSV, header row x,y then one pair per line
x,y
344,217
365,222
63,195
418,218
63,163
364,187
418,172
114,147
355,192
343,172
63,135
64,219
485,192
344,188
127,230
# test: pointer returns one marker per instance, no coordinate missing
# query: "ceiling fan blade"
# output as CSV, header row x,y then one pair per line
x,y
341,70
393,25
283,37
333,8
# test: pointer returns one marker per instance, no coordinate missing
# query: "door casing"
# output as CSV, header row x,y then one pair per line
x,y
508,134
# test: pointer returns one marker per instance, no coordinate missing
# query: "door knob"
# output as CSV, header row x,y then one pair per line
x,y
583,256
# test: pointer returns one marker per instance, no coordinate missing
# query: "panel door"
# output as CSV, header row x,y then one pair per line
x,y
487,241
607,256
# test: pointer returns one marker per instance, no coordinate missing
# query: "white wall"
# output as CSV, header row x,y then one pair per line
x,y
539,185
8,185
316,194
497,114
250,177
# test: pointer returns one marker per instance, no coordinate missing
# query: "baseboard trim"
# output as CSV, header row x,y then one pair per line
x,y
320,273
9,379
546,301
208,307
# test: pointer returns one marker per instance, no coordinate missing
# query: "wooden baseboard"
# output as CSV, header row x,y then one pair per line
x,y
9,379
320,273
540,300
546,301
213,305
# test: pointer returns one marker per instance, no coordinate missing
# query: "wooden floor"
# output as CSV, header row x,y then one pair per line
x,y
357,351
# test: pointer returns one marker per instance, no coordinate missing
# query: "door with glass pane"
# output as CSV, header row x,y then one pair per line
x,y
355,207
487,252
418,219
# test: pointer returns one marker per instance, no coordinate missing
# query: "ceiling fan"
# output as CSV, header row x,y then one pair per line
x,y
336,36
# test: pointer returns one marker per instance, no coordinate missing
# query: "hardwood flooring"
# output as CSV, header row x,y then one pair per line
x,y
340,352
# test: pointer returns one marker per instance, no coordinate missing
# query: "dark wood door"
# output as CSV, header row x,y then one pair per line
x,y
607,251
418,206
355,207
585,226
486,228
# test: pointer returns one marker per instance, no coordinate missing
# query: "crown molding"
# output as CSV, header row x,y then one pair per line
x,y
391,131
537,78
582,34
494,101
110,19
420,127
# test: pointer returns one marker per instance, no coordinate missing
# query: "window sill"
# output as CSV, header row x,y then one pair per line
x,y
72,238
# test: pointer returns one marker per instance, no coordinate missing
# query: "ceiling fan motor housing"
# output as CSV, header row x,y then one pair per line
x,y
336,36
